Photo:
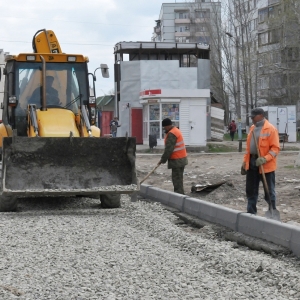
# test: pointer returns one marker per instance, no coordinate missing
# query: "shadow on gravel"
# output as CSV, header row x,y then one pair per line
x,y
57,204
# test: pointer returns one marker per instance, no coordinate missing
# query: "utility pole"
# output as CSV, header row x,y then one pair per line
x,y
238,92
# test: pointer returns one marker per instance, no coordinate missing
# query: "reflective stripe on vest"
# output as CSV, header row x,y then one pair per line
x,y
179,149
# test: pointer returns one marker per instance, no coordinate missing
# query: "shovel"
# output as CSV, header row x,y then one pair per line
x,y
271,213
149,173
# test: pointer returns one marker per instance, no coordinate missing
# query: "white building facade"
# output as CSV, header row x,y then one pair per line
x,y
163,80
187,22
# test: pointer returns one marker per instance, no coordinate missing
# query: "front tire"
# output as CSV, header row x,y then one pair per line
x,y
110,200
8,203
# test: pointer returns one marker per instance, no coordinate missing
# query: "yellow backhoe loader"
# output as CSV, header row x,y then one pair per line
x,y
50,144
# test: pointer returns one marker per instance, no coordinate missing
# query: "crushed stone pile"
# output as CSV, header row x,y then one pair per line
x,y
71,249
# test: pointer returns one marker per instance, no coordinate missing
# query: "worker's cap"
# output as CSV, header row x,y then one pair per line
x,y
257,111
232,121
49,77
166,122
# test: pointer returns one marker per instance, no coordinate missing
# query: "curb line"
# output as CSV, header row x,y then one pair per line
x,y
279,233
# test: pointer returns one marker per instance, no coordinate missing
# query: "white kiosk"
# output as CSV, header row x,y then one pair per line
x,y
284,119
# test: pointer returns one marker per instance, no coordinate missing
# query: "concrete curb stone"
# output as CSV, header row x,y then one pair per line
x,y
282,234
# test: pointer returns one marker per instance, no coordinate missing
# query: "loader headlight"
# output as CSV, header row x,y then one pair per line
x,y
92,101
72,58
30,57
12,101
93,113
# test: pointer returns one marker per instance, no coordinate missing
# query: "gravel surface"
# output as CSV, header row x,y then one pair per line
x,y
63,249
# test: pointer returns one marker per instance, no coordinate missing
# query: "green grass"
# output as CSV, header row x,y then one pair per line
x,y
213,148
288,148
291,167
228,138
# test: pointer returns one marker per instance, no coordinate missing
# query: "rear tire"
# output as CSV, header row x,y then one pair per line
x,y
8,203
110,200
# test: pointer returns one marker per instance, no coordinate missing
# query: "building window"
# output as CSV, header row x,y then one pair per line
x,y
263,83
203,39
252,25
270,2
262,15
294,79
276,81
171,111
274,36
157,112
201,28
181,39
271,12
263,38
275,57
202,14
252,4
182,15
154,124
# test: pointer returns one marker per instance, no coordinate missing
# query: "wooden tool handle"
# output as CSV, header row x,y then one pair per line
x,y
149,173
263,173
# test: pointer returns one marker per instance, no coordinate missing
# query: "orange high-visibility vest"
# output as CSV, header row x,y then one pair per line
x,y
268,144
179,150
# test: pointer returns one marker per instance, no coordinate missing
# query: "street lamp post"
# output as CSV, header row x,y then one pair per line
x,y
238,92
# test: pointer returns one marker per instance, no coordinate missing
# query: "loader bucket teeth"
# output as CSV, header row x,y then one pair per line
x,y
56,166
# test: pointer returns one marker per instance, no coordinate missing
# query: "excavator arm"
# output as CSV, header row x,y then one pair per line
x,y
45,41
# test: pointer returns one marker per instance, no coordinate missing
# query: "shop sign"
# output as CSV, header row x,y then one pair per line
x,y
152,101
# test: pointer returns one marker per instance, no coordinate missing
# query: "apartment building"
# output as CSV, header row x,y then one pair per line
x,y
278,53
272,26
196,21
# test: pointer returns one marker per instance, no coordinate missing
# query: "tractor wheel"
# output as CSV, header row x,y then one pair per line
x,y
110,200
8,203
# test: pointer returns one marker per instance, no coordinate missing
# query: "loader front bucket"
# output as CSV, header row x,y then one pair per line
x,y
68,166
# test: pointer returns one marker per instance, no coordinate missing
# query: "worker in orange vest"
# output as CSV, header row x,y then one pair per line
x,y
175,153
268,144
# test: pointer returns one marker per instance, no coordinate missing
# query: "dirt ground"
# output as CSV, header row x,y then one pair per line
x,y
205,169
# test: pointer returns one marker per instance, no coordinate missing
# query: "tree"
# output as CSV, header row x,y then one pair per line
x,y
207,28
280,54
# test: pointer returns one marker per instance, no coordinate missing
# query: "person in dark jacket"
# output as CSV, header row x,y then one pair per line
x,y
114,124
51,93
175,153
232,129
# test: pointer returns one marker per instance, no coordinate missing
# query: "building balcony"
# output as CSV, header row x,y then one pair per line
x,y
263,93
201,33
185,34
201,20
270,2
157,30
277,92
182,21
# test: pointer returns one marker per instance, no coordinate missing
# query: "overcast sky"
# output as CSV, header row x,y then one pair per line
x,y
89,27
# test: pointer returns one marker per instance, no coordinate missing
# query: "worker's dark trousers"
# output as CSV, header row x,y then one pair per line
x,y
232,135
252,187
177,179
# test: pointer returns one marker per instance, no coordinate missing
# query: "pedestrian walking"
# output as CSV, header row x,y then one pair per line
x,y
268,145
232,129
175,153
114,124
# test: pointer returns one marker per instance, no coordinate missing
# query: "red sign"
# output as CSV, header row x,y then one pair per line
x,y
150,92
